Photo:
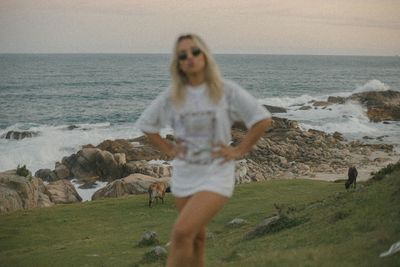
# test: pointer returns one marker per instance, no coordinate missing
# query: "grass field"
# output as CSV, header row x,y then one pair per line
x,y
336,228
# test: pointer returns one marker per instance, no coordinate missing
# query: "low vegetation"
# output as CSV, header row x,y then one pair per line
x,y
320,224
23,171
390,168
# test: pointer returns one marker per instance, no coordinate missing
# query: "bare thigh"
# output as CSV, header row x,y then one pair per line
x,y
180,202
198,210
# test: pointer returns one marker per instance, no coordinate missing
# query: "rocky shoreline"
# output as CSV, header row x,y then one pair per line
x,y
131,165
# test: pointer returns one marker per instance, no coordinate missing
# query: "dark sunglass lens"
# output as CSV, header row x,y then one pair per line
x,y
196,51
182,56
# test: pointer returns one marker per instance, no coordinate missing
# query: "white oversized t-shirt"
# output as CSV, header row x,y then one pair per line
x,y
199,124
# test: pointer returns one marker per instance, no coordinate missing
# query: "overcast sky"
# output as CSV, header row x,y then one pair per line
x,y
330,27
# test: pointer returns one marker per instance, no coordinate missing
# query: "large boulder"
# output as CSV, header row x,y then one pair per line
x,y
323,104
377,98
275,109
91,162
136,149
152,169
282,123
46,175
62,192
381,105
385,113
305,108
336,99
18,192
61,171
116,146
131,185
18,135
82,164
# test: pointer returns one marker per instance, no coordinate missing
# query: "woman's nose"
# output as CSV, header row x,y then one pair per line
x,y
190,55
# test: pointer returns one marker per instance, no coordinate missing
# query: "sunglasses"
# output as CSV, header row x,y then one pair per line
x,y
184,55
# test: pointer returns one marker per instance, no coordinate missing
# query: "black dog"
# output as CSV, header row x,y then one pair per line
x,y
352,174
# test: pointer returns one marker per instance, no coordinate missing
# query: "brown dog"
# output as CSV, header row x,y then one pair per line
x,y
156,191
352,177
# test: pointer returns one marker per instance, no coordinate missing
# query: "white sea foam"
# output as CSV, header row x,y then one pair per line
x,y
160,162
351,126
55,142
336,112
349,118
372,85
287,101
344,118
86,194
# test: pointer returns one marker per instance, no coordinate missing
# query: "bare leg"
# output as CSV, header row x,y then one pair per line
x,y
189,228
199,241
199,259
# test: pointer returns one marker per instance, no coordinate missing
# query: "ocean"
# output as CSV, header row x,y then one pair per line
x,y
104,94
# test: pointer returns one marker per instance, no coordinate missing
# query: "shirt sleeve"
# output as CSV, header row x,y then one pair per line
x,y
156,116
245,107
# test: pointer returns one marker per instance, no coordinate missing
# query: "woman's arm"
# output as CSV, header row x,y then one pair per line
x,y
164,145
249,140
167,147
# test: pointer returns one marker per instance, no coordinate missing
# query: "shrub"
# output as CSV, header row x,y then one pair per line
x,y
23,171
385,171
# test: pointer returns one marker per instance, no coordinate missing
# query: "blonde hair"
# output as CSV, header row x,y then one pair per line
x,y
179,79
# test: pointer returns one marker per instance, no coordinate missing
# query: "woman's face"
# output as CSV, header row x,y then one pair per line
x,y
194,62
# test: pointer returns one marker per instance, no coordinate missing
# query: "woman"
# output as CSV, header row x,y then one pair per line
x,y
200,107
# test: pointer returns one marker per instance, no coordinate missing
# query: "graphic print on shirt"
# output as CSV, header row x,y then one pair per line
x,y
198,130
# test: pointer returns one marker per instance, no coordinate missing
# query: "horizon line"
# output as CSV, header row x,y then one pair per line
x,y
164,53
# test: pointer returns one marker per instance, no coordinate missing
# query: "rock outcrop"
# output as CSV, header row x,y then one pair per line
x,y
19,135
286,151
378,114
18,192
381,105
108,162
336,99
275,109
133,184
134,149
63,192
152,169
46,175
90,162
61,171
322,104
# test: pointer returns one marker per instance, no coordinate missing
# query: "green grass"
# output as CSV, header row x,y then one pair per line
x,y
337,228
